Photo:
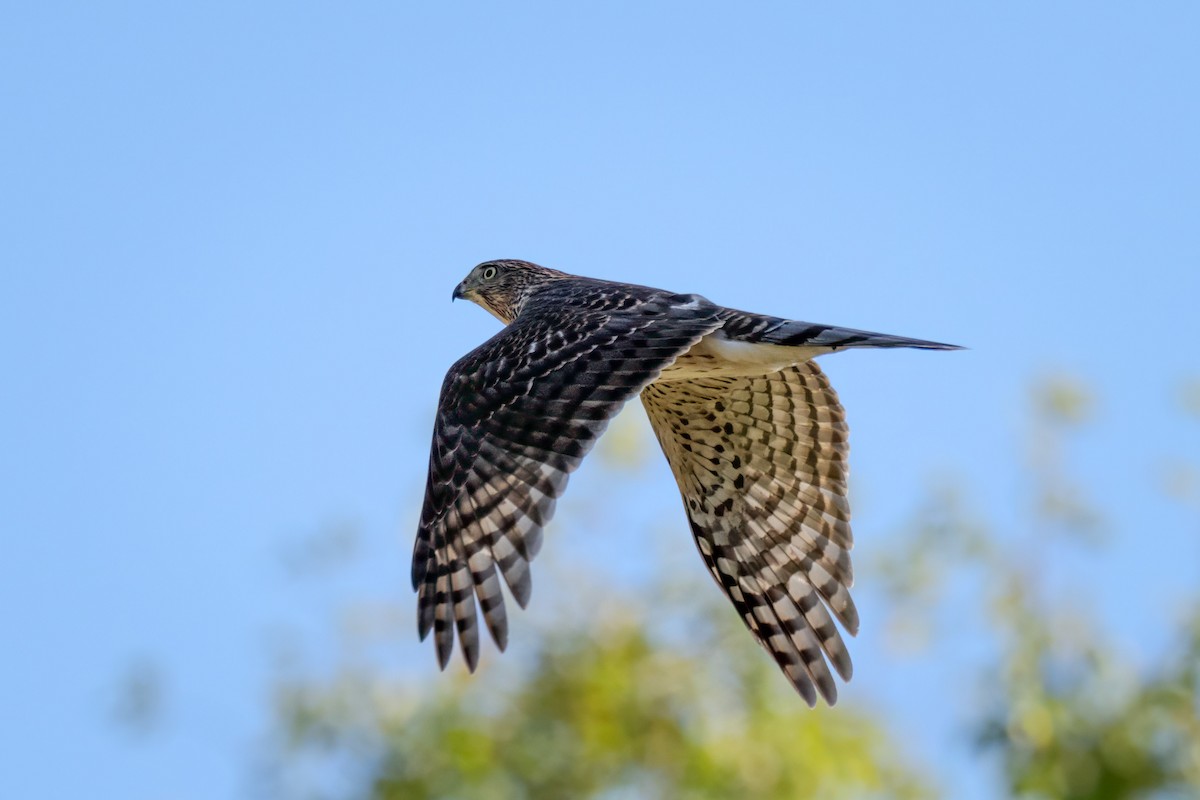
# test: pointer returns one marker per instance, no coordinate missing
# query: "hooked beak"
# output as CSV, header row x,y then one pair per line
x,y
458,293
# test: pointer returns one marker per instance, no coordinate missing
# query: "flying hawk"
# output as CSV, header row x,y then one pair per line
x,y
754,434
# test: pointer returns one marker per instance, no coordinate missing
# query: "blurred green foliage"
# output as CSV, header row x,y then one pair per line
x,y
630,710
609,713
1073,721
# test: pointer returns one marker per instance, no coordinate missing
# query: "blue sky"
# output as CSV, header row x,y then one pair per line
x,y
228,234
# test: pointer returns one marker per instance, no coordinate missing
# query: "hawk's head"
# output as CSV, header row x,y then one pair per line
x,y
503,286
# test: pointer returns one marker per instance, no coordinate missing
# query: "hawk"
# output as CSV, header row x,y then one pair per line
x,y
754,434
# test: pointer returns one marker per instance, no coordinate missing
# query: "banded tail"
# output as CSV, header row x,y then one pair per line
x,y
758,329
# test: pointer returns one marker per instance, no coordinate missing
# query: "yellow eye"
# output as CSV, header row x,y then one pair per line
x,y
489,273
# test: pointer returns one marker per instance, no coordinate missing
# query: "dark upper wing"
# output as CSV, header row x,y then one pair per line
x,y
515,417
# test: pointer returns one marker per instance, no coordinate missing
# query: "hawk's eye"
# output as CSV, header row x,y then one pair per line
x,y
489,273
